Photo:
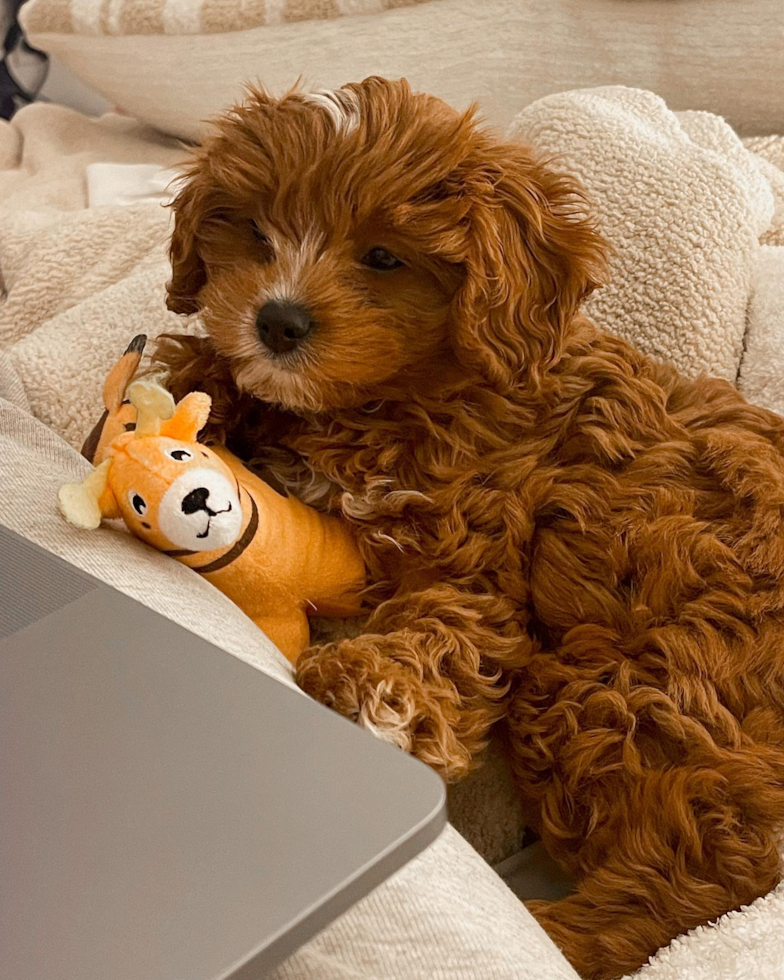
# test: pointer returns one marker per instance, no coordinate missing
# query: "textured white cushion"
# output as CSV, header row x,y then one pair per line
x,y
683,204
720,55
762,370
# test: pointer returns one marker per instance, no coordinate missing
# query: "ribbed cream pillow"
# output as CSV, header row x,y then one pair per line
x,y
119,17
173,63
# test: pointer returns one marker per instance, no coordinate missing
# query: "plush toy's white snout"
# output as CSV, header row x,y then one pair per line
x,y
200,511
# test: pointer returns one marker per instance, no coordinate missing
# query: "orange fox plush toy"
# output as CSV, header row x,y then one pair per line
x,y
275,557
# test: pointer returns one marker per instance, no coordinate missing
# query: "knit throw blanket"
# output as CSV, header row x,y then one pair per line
x,y
697,223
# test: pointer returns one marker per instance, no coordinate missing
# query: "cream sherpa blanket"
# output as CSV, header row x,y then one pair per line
x,y
681,199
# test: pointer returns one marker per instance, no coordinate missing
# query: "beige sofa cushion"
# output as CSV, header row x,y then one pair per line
x,y
167,67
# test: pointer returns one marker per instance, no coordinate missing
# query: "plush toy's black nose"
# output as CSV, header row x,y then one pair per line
x,y
282,326
195,500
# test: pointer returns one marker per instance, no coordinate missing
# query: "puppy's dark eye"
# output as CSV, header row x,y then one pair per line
x,y
258,234
381,260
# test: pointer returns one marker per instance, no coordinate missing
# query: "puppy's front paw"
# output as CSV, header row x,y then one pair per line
x,y
348,677
362,680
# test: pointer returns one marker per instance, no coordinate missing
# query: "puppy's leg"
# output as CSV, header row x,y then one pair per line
x,y
431,675
685,847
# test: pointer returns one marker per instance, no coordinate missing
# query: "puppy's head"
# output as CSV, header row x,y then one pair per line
x,y
345,244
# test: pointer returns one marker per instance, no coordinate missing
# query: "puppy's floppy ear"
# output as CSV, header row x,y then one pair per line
x,y
532,256
188,271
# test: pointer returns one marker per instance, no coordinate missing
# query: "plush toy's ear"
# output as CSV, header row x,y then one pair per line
x,y
84,504
154,405
117,417
122,373
189,418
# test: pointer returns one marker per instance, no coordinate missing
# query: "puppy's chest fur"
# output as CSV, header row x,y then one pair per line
x,y
420,489
618,503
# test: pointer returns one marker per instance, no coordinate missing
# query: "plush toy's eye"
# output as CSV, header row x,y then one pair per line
x,y
381,260
181,455
138,502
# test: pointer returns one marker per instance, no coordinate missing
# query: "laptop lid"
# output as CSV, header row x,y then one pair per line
x,y
168,812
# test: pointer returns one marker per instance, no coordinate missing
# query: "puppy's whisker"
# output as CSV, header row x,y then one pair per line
x,y
379,536
286,290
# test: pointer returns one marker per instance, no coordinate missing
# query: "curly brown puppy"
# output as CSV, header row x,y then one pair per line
x,y
564,535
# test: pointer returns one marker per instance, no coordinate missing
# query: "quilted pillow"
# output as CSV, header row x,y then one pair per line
x,y
173,63
189,16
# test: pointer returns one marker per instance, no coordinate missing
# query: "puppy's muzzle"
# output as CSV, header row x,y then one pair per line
x,y
282,326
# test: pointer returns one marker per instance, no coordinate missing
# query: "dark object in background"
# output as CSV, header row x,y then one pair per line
x,y
22,69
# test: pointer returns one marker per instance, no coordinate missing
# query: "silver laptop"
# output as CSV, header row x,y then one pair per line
x,y
168,812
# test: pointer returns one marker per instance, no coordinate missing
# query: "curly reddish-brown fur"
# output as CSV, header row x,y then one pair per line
x,y
564,536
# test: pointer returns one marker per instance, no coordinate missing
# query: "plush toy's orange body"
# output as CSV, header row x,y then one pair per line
x,y
275,557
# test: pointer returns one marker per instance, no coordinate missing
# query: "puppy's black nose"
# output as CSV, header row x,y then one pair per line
x,y
282,326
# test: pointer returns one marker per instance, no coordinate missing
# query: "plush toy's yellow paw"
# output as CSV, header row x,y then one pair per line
x,y
79,506
80,503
